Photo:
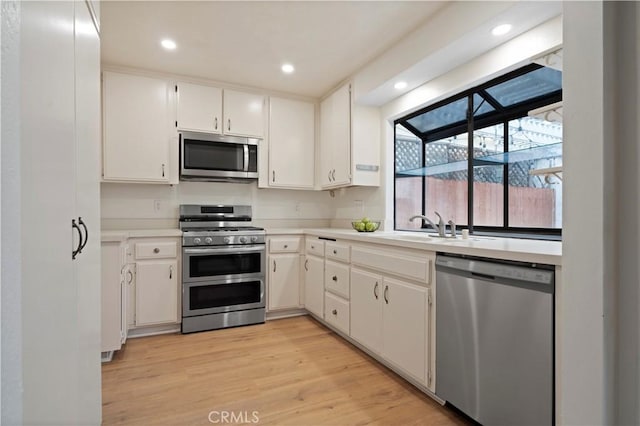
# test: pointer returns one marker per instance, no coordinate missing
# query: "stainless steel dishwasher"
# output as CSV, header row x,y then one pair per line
x,y
494,340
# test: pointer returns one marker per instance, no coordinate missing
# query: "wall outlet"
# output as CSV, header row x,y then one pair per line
x,y
359,206
156,205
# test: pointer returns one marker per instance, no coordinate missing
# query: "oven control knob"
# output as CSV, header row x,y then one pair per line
x,y
243,239
254,239
226,239
208,240
197,241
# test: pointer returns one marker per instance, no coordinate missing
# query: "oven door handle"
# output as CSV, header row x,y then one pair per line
x,y
243,249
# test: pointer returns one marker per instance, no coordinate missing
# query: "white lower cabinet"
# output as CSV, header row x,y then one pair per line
x,y
389,317
114,297
314,285
156,292
153,287
284,273
336,312
284,281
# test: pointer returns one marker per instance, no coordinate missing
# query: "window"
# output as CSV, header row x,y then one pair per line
x,y
480,160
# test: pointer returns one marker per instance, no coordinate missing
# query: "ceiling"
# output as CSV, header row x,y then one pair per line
x,y
245,43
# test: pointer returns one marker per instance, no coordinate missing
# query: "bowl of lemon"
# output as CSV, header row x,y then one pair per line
x,y
365,225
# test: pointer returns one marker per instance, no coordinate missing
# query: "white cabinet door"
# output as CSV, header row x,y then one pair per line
x,y
366,309
405,326
335,138
284,281
326,145
314,285
243,114
112,283
291,143
136,118
199,108
341,148
156,292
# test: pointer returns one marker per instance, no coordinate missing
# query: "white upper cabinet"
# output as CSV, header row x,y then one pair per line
x,y
243,114
291,144
349,142
136,125
213,110
199,108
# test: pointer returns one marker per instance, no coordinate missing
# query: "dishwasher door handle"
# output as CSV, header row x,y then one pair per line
x,y
485,276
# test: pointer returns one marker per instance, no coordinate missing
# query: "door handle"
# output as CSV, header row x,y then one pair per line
x,y
86,234
306,265
375,290
78,248
386,297
170,271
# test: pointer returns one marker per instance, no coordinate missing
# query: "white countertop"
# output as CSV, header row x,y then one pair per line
x,y
121,235
534,251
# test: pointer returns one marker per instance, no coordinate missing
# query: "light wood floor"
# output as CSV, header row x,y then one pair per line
x,y
290,371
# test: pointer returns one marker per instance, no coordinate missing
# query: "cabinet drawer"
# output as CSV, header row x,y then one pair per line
x,y
338,252
336,278
156,250
284,245
315,246
336,312
396,261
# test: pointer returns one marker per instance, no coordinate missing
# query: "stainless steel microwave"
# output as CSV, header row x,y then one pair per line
x,y
211,157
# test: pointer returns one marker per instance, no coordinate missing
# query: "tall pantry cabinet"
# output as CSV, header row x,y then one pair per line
x,y
59,62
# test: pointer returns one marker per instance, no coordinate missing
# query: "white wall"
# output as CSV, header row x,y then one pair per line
x,y
11,298
133,205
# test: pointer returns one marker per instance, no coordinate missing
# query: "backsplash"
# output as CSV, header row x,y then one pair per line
x,y
147,206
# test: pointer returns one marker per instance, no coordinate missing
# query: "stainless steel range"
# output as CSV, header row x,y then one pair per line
x,y
223,264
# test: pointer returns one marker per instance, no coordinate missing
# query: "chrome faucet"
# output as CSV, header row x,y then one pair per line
x,y
440,227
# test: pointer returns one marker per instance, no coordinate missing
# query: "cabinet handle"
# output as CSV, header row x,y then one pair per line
x,y
229,124
329,175
306,265
334,312
215,126
170,271
375,290
156,250
335,252
312,247
130,276
86,233
430,271
333,175
285,246
273,177
274,266
75,252
163,170
334,278
386,297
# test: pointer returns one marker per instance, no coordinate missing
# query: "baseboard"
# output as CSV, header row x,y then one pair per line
x,y
286,313
153,330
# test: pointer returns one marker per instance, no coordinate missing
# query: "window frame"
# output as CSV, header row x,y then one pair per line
x,y
500,115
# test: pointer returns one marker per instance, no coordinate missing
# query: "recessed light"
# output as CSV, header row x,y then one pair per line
x,y
287,68
400,85
501,29
168,44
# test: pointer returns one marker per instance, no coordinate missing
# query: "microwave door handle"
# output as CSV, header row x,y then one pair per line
x,y
246,158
